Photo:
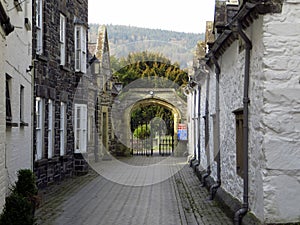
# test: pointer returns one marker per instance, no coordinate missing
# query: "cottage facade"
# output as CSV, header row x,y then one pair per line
x,y
60,56
256,41
16,92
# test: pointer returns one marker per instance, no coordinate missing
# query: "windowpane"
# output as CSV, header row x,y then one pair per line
x,y
62,127
39,26
239,143
8,102
39,128
80,128
80,49
50,128
21,103
62,39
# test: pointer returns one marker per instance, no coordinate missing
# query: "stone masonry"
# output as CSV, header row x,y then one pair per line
x,y
58,83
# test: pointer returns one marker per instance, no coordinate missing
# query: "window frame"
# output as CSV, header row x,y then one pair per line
x,y
51,121
62,129
80,48
22,108
39,27
39,129
239,123
62,39
80,128
8,99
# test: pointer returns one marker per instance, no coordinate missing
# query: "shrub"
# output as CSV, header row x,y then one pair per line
x,y
26,186
17,211
20,205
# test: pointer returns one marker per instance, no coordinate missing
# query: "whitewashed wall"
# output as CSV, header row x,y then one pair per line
x,y
212,114
203,162
274,116
190,124
18,59
2,122
281,114
231,97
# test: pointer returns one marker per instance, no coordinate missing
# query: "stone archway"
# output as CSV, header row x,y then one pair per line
x,y
160,102
135,97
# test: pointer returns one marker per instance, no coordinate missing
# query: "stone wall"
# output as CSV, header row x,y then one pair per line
x,y
274,119
58,83
2,122
18,59
281,114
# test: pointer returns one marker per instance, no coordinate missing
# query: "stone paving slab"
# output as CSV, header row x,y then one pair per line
x,y
95,200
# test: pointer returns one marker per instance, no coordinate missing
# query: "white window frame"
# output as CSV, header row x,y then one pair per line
x,y
80,128
80,48
22,90
62,39
39,130
51,110
62,130
91,129
39,27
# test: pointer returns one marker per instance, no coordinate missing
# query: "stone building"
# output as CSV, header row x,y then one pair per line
x,y
60,60
108,87
16,92
246,94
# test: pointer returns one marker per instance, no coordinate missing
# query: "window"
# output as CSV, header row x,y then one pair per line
x,y
91,128
8,102
22,103
62,130
80,128
39,27
51,110
80,48
104,130
62,39
39,109
239,141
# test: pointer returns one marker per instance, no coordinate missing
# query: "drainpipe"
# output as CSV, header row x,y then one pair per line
x,y
196,119
194,138
214,187
199,122
248,46
206,117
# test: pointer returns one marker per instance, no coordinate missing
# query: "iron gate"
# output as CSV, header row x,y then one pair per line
x,y
149,140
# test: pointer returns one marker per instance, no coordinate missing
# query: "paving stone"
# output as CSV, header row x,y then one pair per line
x,y
95,200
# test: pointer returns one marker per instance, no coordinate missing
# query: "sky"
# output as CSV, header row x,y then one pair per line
x,y
184,16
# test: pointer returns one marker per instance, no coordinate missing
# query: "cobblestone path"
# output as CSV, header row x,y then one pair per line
x,y
95,200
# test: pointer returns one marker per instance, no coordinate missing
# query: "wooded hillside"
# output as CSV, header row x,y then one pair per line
x,y
177,46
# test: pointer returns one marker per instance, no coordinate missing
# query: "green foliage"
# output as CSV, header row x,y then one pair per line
x,y
150,112
17,211
20,205
142,131
25,185
148,64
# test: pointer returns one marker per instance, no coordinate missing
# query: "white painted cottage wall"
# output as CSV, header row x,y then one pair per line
x,y
2,122
281,115
231,97
190,124
203,161
212,113
18,59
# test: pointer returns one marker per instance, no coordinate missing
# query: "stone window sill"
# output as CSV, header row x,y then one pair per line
x,y
11,124
23,124
42,58
65,68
